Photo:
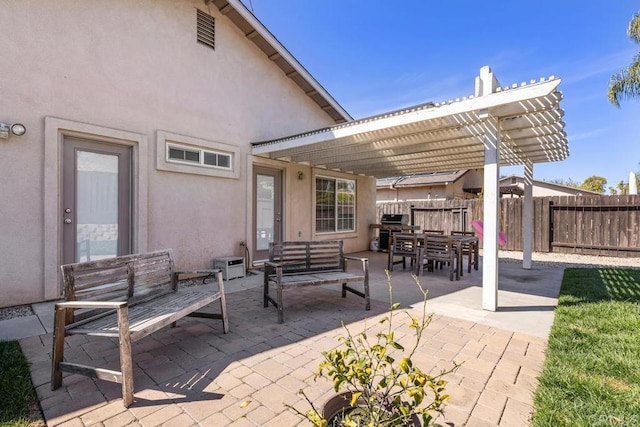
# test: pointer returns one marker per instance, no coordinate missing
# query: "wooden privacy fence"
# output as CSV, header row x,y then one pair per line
x,y
592,225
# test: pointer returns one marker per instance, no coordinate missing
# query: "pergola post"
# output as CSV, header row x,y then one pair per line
x,y
491,206
527,217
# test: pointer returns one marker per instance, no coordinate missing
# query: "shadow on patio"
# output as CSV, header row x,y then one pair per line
x,y
196,375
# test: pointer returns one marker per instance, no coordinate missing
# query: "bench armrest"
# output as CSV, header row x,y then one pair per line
x,y
356,258
364,261
92,304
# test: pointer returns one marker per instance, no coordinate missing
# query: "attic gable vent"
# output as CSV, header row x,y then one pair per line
x,y
206,29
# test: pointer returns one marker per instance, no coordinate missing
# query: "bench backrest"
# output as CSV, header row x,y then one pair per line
x,y
308,256
132,278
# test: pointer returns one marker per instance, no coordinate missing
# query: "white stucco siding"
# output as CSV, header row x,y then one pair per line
x,y
134,67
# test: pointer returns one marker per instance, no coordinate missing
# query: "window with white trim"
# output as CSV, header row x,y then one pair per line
x,y
335,205
199,157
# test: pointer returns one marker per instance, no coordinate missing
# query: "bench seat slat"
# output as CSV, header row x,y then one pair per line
x,y
319,278
162,311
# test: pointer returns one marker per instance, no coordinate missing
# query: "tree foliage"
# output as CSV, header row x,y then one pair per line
x,y
623,187
594,183
626,83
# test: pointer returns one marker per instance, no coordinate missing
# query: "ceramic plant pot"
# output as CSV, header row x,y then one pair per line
x,y
339,405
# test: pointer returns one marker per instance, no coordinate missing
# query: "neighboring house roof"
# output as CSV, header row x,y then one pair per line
x,y
255,31
429,179
506,182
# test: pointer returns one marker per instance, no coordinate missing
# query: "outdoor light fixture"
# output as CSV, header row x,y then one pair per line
x,y
18,129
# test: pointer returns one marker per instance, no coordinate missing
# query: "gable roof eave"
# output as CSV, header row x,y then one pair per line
x,y
255,31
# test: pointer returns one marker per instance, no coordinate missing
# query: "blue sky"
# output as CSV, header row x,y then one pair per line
x,y
376,56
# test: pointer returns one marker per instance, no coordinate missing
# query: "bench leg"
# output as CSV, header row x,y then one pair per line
x,y
367,299
58,347
266,290
280,309
344,290
223,304
126,363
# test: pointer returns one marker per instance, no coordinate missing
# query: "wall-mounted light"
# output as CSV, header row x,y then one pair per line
x,y
300,175
18,129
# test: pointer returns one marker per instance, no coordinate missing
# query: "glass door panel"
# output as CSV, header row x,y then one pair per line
x,y
267,210
96,206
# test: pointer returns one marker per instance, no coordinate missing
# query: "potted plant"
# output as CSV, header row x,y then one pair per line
x,y
375,378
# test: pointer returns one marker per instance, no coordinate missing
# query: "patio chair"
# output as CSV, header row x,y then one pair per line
x,y
467,249
405,246
433,232
440,250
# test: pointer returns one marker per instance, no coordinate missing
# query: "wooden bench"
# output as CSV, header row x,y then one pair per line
x,y
127,297
296,264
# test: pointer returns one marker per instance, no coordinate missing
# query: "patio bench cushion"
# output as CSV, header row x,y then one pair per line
x,y
297,264
126,297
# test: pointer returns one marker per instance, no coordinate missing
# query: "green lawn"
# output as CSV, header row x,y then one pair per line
x,y
591,375
18,401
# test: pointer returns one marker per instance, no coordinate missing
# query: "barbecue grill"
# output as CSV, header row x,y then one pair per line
x,y
390,224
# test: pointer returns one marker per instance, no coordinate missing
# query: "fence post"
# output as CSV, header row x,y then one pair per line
x,y
550,228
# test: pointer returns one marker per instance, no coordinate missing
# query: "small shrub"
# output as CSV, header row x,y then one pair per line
x,y
386,387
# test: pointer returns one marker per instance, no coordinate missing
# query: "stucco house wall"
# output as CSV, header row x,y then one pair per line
x,y
132,73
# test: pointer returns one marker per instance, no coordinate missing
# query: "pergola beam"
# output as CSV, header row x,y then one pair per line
x,y
495,127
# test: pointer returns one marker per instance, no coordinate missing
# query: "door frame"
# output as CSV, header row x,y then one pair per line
x,y
55,130
280,204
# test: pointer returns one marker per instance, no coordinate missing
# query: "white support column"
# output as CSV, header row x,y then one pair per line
x,y
490,217
527,216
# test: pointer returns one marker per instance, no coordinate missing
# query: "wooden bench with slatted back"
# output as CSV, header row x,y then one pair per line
x,y
296,264
126,297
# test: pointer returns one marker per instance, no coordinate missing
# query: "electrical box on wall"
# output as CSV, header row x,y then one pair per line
x,y
232,266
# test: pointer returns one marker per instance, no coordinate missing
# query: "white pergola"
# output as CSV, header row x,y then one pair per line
x,y
498,126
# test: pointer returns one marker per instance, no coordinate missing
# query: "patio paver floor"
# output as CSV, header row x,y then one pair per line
x,y
196,375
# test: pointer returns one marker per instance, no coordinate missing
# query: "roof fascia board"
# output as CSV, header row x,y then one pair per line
x,y
286,55
488,102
